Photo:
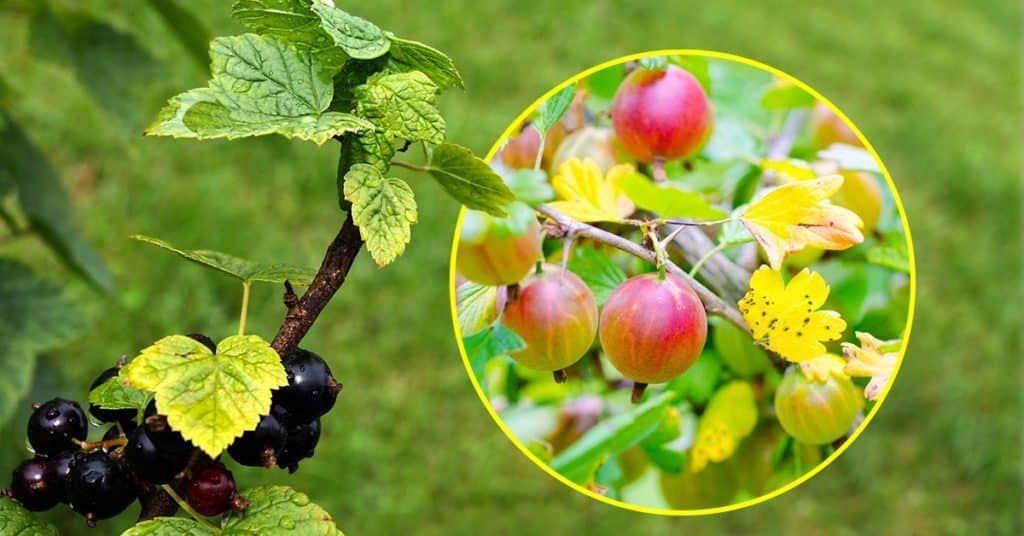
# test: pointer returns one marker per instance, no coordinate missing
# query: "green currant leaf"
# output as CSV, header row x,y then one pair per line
x,y
36,315
245,270
371,147
409,56
469,180
530,186
477,306
210,398
555,108
16,520
170,526
44,201
404,105
292,21
487,344
611,436
261,85
668,201
115,394
280,511
359,38
384,209
597,271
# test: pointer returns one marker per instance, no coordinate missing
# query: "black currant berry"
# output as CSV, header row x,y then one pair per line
x,y
54,425
260,447
151,463
99,487
31,487
110,415
57,469
311,390
299,445
161,434
207,342
212,491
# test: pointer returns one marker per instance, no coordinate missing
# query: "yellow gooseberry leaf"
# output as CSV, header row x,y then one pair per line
x,y
791,169
870,361
796,215
785,319
820,369
729,417
588,195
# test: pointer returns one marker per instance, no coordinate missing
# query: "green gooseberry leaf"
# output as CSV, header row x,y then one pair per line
x,y
555,108
495,341
667,200
597,271
469,180
530,186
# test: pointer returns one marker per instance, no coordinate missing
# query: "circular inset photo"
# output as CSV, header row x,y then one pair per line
x,y
702,293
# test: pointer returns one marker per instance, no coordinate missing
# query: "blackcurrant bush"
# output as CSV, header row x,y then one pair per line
x,y
54,425
212,490
207,342
311,390
31,487
57,469
99,487
109,415
150,462
259,447
299,445
161,433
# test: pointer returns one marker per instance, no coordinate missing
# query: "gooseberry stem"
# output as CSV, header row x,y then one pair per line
x,y
183,504
245,308
540,150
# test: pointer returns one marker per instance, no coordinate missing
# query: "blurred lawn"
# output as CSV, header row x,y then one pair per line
x,y
936,86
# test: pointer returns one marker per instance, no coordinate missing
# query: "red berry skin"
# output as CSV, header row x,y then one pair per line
x,y
653,329
31,487
556,315
211,489
661,114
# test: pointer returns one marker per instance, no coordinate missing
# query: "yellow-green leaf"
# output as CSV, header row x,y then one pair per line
x,y
210,398
797,215
668,201
402,104
729,417
785,318
477,305
279,511
384,209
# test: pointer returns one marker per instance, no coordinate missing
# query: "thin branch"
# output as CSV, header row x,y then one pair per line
x,y
712,303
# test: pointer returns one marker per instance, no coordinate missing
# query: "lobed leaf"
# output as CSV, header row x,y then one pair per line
x,y
210,398
15,520
383,208
359,38
170,526
280,511
245,270
115,394
477,306
668,201
403,105
469,180
406,56
600,274
588,195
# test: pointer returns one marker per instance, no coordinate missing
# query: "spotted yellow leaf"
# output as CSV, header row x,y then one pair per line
x,y
797,215
729,417
870,360
587,194
785,318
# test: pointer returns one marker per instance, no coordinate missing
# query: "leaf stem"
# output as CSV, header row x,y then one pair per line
x,y
687,221
183,504
410,165
243,316
540,149
700,263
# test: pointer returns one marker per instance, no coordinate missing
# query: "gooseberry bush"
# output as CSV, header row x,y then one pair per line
x,y
171,417
743,258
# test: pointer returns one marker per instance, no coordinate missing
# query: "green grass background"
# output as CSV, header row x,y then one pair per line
x,y
936,87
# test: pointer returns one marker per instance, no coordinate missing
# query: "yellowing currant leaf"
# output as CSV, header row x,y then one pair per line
x,y
729,417
791,169
796,215
785,318
870,360
820,369
210,398
588,195
383,208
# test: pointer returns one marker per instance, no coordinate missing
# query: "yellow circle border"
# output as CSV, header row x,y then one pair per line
x,y
823,464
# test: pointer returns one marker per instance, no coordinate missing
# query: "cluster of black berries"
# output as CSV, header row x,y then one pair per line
x,y
101,479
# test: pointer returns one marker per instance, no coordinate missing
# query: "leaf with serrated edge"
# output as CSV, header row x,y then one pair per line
x,y
261,85
469,180
600,274
358,37
269,506
209,398
171,526
290,20
15,520
403,105
383,208
114,394
243,269
668,201
477,305
555,108
409,55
